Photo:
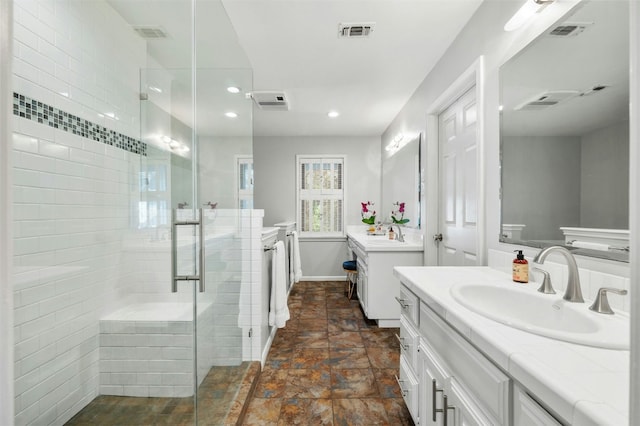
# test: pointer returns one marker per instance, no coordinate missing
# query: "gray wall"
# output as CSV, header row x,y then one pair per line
x,y
217,168
544,189
566,181
275,188
604,191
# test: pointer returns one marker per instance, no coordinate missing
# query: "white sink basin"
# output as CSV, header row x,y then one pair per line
x,y
384,242
545,315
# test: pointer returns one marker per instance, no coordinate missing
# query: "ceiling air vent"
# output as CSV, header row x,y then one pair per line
x,y
547,99
569,29
151,32
271,101
355,30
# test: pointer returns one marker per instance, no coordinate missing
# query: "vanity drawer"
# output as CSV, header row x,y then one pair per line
x,y
527,412
468,366
409,341
409,388
409,305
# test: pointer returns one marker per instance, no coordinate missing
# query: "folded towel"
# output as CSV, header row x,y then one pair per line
x,y
278,310
295,255
590,245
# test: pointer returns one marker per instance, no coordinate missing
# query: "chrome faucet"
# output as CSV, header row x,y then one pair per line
x,y
573,293
399,234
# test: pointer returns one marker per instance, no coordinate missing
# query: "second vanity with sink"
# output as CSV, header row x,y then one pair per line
x,y
376,256
477,348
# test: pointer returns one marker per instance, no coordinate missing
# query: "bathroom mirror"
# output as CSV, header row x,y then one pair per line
x,y
565,135
401,178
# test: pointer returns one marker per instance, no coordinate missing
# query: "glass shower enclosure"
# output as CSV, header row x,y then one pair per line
x,y
115,181
191,185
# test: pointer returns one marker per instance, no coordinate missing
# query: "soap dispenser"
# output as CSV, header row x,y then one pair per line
x,y
520,268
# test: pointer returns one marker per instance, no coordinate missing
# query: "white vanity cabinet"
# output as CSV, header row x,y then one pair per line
x,y
457,385
495,374
376,286
362,284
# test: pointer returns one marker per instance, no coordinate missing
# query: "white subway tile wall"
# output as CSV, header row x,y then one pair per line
x,y
72,195
153,357
78,256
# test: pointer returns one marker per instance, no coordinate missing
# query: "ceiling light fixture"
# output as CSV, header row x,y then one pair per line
x,y
172,144
333,114
155,89
230,114
525,13
233,89
395,143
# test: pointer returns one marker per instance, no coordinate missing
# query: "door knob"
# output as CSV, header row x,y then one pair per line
x,y
437,237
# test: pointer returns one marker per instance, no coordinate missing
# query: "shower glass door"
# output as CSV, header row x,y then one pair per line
x,y
187,178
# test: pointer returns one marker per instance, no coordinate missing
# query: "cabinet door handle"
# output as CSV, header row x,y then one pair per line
x,y
434,391
403,303
445,409
402,390
402,345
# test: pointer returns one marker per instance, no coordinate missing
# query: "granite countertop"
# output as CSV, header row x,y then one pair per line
x,y
584,385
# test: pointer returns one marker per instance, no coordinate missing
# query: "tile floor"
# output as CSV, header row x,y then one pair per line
x,y
221,397
329,366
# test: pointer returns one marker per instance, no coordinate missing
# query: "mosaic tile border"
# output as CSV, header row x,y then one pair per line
x,y
33,110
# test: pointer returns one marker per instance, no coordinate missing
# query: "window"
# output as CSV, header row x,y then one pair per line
x,y
320,195
153,206
245,182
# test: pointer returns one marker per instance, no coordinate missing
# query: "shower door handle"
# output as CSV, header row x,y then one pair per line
x,y
200,276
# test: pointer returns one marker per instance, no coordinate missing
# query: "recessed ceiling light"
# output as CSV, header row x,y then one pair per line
x,y
233,89
333,114
230,114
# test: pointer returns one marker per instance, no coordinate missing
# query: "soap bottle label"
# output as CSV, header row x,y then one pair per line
x,y
521,272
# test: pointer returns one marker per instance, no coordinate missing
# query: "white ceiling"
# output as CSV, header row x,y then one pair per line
x,y
597,56
293,46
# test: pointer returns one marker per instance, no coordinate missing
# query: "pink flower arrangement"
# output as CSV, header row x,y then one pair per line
x,y
397,214
368,216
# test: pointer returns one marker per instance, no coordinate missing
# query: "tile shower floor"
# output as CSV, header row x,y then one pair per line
x,y
329,366
220,402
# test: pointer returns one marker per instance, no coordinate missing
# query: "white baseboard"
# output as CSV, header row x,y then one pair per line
x,y
324,278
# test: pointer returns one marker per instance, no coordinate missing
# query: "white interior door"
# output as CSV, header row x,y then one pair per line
x,y
458,165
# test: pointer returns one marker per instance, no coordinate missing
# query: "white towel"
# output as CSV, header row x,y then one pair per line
x,y
590,245
278,310
296,272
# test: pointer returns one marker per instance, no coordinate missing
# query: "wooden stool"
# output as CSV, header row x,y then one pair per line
x,y
350,268
352,277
